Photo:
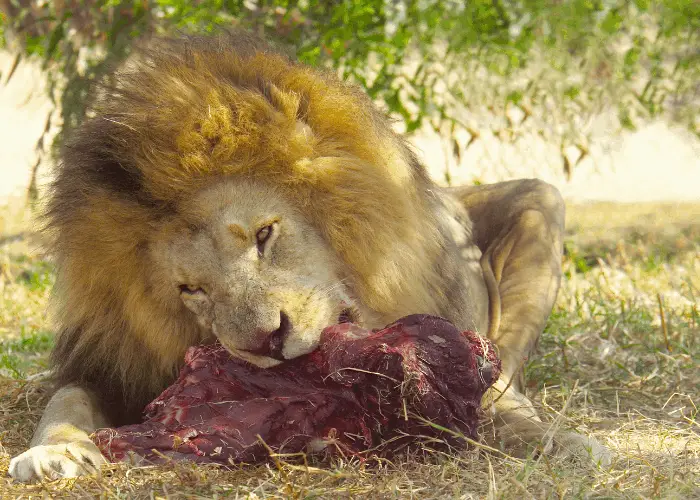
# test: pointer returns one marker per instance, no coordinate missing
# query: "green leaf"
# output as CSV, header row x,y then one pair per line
x,y
631,62
56,37
515,97
626,120
612,22
632,56
572,92
413,125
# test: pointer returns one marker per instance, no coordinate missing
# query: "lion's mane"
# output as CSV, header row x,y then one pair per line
x,y
178,115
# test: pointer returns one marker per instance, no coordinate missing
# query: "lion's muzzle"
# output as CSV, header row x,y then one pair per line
x,y
273,341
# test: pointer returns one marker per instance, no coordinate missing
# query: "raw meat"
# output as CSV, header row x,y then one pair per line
x,y
359,393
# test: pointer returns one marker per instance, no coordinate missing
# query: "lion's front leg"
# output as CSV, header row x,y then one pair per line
x,y
519,226
61,446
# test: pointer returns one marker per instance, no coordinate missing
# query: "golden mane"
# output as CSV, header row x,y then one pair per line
x,y
182,113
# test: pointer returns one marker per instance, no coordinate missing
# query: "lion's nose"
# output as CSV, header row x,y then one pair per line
x,y
273,342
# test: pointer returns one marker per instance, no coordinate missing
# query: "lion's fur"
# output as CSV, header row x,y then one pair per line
x,y
154,218
180,115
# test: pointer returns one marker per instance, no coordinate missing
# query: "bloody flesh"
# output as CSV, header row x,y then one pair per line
x,y
359,390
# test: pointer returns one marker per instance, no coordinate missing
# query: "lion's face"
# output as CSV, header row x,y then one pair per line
x,y
219,189
250,270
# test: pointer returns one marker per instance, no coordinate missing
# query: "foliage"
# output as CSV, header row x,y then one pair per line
x,y
425,60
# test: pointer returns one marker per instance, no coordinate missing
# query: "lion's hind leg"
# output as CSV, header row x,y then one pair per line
x,y
519,226
519,429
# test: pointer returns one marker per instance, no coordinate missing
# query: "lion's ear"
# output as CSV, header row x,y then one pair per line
x,y
288,103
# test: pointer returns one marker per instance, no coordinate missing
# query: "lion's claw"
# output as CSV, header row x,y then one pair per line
x,y
50,462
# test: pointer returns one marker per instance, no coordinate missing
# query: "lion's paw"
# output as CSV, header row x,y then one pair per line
x,y
520,437
572,443
50,462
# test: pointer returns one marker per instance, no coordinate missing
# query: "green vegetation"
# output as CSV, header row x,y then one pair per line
x,y
25,285
554,63
26,354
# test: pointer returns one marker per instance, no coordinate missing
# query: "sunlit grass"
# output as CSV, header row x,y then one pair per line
x,y
622,374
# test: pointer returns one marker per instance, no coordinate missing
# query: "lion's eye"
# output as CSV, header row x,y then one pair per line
x,y
190,290
263,236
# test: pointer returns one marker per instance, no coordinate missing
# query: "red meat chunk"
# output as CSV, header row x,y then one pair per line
x,y
359,390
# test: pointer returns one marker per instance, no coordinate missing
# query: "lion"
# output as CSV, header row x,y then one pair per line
x,y
221,190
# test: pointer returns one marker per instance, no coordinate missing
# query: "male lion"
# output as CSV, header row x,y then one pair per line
x,y
220,190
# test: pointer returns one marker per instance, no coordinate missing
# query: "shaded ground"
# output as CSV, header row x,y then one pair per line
x,y
608,365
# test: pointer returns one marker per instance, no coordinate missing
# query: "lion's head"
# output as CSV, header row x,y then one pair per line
x,y
251,270
220,189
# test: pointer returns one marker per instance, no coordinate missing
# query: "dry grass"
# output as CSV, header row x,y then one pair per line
x,y
629,379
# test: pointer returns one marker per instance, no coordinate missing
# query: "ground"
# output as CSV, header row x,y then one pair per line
x,y
618,360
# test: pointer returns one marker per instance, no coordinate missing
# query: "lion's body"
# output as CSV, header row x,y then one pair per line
x,y
202,143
